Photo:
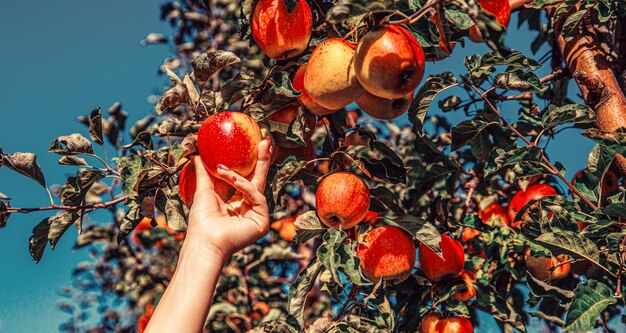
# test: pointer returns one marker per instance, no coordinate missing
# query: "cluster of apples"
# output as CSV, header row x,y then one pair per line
x,y
380,73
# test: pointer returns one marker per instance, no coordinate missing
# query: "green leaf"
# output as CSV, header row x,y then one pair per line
x,y
287,171
309,226
434,85
175,213
59,224
421,230
615,210
518,79
39,239
337,256
573,244
73,144
384,197
499,158
566,114
131,167
300,289
209,63
143,139
590,300
95,126
572,23
74,191
25,164
467,131
613,140
72,160
542,289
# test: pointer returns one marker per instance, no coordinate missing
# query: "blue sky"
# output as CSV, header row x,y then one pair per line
x,y
60,59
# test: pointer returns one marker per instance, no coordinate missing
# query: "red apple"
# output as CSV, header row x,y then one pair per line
x,y
435,268
187,185
304,98
521,198
230,139
342,200
389,62
454,325
386,252
329,78
384,108
371,217
493,211
278,33
469,292
501,9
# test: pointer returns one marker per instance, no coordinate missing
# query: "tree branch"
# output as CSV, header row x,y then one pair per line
x,y
595,78
61,207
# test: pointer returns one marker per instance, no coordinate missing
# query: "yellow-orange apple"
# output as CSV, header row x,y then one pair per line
x,y
329,78
384,108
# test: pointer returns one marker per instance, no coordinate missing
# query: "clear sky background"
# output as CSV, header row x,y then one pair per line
x,y
60,59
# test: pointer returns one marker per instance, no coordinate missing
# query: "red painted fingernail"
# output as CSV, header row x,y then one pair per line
x,y
234,178
268,138
222,166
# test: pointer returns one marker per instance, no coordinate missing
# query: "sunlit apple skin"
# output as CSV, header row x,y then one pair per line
x,y
470,292
329,78
304,99
435,268
285,227
285,116
187,185
454,325
342,200
384,108
501,9
521,198
230,139
278,33
540,267
389,62
429,321
387,252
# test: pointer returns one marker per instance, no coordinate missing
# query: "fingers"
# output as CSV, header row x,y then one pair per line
x,y
249,191
262,164
203,181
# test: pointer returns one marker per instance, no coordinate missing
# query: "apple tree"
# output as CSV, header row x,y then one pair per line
x,y
399,202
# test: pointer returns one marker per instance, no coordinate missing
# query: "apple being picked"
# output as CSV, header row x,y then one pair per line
x,y
329,78
230,139
389,62
387,252
279,33
342,200
187,185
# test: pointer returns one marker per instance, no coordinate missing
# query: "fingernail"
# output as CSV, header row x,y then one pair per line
x,y
222,166
268,138
271,150
234,178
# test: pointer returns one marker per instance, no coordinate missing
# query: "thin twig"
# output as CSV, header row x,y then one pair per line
x,y
62,207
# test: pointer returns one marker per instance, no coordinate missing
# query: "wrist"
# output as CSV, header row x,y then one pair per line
x,y
203,250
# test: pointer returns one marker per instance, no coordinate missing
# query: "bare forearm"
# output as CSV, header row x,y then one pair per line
x,y
186,301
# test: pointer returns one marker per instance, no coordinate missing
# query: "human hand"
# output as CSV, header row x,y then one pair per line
x,y
226,227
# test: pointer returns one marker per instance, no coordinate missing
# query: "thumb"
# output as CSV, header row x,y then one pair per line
x,y
203,180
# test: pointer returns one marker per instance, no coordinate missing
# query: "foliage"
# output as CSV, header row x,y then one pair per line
x,y
427,176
